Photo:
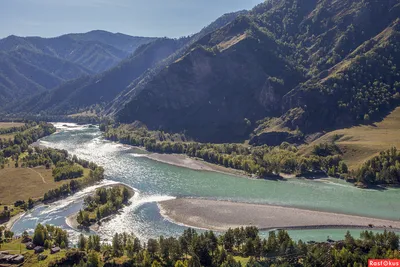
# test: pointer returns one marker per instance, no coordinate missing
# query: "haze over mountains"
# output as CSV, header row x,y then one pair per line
x,y
285,67
32,64
102,88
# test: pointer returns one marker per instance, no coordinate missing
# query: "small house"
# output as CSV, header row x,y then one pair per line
x,y
42,257
30,245
3,257
55,250
6,257
26,239
17,260
38,249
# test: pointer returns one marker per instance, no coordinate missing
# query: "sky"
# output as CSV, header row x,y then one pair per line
x,y
158,18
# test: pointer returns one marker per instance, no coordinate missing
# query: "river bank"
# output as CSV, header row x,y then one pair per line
x,y
222,215
157,181
9,224
185,161
193,163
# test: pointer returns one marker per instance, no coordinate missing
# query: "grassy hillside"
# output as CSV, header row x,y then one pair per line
x,y
360,143
7,125
28,182
220,83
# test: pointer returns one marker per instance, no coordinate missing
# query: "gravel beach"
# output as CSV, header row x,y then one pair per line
x,y
191,163
221,215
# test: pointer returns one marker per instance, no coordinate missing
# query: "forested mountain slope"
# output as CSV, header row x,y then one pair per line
x,y
137,85
30,65
362,87
93,55
122,80
306,64
219,86
24,72
98,89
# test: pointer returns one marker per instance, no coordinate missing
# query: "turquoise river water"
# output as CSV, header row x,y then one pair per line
x,y
155,181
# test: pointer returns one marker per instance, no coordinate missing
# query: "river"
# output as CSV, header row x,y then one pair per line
x,y
155,181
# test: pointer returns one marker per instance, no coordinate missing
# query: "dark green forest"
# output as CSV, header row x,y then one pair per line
x,y
382,169
311,65
193,248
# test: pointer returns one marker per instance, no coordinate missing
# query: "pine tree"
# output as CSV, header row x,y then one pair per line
x,y
82,242
79,218
136,245
39,236
90,243
129,248
93,260
117,246
96,243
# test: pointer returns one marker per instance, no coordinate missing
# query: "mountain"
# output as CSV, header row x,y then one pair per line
x,y
289,65
102,88
120,82
120,41
24,72
96,50
137,85
31,65
228,78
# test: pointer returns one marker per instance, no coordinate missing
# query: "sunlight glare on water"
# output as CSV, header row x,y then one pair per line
x,y
155,181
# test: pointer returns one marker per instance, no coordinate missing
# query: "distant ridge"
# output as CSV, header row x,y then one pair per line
x,y
30,65
103,88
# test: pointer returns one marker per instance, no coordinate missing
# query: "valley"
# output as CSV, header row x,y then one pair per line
x,y
38,175
155,181
269,137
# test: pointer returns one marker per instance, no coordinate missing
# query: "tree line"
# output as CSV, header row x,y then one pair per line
x,y
75,185
262,161
18,128
5,235
49,236
22,140
195,249
265,161
66,170
382,169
